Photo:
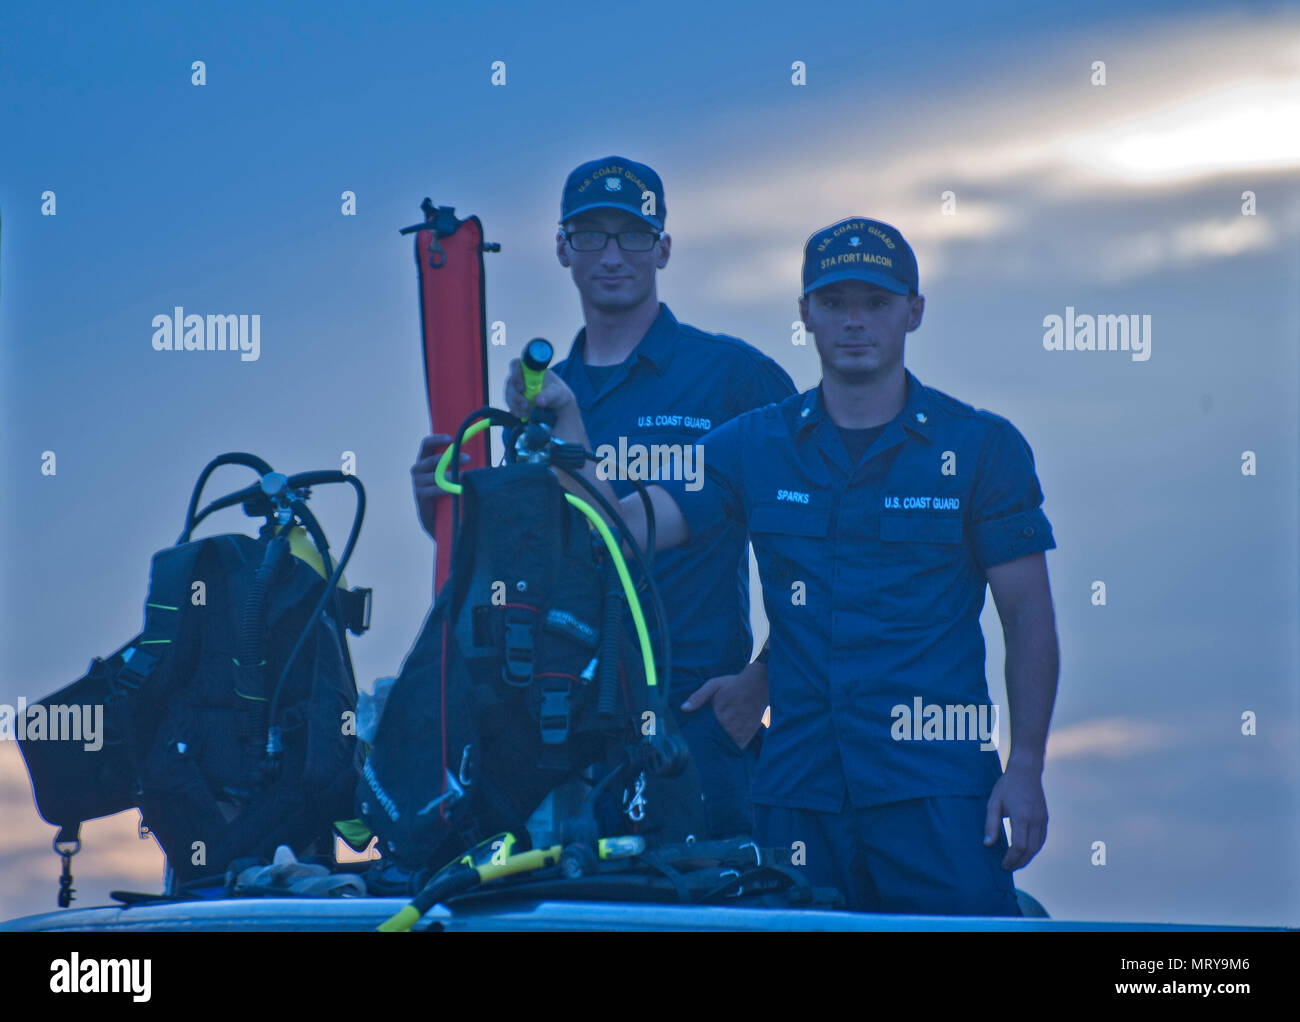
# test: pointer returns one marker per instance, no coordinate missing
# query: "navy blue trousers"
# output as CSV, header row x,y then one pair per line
x,y
920,857
726,771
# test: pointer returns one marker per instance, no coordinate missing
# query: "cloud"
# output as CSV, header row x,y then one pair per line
x,y
1229,128
1184,107
1110,738
1189,734
1153,250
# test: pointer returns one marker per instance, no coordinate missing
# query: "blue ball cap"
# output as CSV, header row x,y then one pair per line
x,y
860,249
615,183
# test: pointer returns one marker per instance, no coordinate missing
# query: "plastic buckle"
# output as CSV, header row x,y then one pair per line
x,y
137,665
357,604
555,712
517,671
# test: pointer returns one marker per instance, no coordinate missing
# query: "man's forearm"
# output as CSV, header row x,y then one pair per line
x,y
671,528
571,430
1031,674
630,509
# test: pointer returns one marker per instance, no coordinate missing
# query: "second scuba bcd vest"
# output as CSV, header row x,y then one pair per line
x,y
189,703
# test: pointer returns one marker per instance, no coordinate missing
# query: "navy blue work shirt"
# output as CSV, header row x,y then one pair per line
x,y
873,580
677,385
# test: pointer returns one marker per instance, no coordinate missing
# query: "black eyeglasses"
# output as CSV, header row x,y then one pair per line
x,y
628,241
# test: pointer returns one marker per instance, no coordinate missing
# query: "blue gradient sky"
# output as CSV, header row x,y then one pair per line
x,y
1117,199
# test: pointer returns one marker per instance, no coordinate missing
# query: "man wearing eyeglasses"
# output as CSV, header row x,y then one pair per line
x,y
642,378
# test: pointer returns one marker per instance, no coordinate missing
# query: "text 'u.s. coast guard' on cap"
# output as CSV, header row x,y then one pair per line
x,y
615,183
860,249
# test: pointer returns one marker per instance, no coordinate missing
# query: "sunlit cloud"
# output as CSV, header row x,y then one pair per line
x,y
1148,251
1170,121
1111,738
1237,127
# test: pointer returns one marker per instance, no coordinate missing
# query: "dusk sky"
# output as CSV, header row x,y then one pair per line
x,y
1122,198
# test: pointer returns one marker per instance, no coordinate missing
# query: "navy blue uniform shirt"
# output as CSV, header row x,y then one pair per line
x,y
679,383
873,580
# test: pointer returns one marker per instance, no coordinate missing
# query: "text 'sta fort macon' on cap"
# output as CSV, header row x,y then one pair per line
x,y
860,249
615,183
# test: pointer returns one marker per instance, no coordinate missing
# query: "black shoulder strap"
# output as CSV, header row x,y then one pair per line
x,y
170,580
143,674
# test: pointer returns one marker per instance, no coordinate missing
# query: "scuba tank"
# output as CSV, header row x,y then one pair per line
x,y
225,721
524,674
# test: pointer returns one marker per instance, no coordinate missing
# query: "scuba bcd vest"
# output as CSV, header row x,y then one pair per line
x,y
523,675
226,720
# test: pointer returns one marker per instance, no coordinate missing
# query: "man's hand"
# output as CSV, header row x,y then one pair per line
x,y
427,493
555,395
739,700
1018,794
671,529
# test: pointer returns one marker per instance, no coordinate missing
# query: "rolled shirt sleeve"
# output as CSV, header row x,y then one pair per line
x,y
713,498
1007,520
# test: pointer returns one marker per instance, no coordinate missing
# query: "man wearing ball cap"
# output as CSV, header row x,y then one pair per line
x,y
642,378
879,510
